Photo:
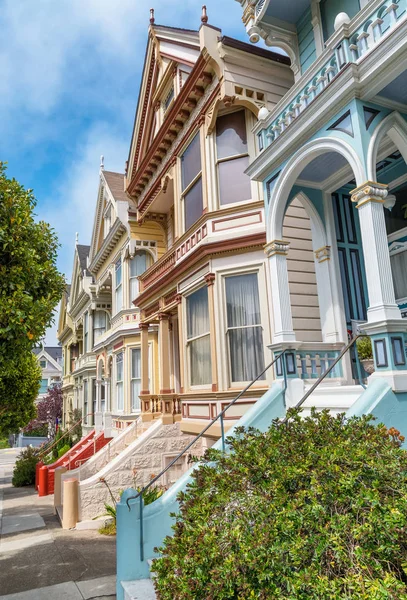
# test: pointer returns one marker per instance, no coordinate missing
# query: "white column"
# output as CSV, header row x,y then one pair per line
x,y
370,198
98,415
276,252
330,331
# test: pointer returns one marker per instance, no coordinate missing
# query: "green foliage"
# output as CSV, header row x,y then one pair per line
x,y
364,347
152,494
4,443
36,431
74,417
30,284
109,529
20,379
315,509
65,448
24,469
30,289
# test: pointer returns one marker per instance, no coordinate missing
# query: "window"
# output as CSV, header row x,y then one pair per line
x,y
168,99
135,379
232,158
191,181
100,324
107,221
244,329
85,400
119,382
43,363
140,262
94,406
119,286
399,269
85,332
44,386
198,337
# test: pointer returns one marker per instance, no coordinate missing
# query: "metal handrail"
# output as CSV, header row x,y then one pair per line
x,y
47,450
325,374
219,416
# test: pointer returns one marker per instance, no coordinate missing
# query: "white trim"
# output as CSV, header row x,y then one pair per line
x,y
395,127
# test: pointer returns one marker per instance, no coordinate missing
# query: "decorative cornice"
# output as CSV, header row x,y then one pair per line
x,y
274,247
323,254
370,191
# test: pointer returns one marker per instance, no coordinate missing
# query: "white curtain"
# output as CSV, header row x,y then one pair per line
x,y
119,287
135,378
399,269
119,382
244,327
99,324
140,262
198,334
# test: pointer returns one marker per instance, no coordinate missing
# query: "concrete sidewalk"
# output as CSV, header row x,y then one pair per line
x,y
41,561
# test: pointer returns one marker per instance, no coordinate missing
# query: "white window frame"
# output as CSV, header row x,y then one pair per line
x,y
85,332
107,220
249,154
85,400
119,384
96,329
135,277
224,369
199,175
118,287
188,341
132,409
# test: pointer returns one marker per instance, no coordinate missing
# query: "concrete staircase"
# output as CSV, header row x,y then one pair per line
x,y
336,398
139,590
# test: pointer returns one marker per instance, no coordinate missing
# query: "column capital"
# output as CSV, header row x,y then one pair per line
x,y
274,247
144,326
162,316
210,279
178,298
371,191
323,254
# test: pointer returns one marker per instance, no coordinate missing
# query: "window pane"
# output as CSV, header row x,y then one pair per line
x,y
119,397
231,136
135,394
197,313
136,363
191,162
119,367
139,263
242,298
399,269
234,184
119,298
246,353
193,204
118,272
44,386
134,288
200,355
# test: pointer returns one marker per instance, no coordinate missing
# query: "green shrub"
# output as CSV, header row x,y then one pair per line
x,y
364,348
315,509
63,450
24,469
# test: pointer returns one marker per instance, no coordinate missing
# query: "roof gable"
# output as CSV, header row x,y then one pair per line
x,y
170,55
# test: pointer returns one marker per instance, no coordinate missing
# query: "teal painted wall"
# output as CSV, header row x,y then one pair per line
x,y
306,40
157,521
329,10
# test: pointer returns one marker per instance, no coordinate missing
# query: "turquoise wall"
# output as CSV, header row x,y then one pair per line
x,y
157,521
306,40
329,10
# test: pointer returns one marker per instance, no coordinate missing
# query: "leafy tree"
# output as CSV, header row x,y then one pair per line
x,y
30,288
20,379
315,509
50,408
30,284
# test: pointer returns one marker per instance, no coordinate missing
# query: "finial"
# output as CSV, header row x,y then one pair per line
x,y
102,162
152,19
76,238
204,16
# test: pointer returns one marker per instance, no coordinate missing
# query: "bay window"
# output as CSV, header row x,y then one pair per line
x,y
191,181
118,286
135,379
85,332
119,382
232,158
198,338
100,324
140,262
244,330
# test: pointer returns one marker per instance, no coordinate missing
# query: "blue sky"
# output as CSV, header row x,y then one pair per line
x,y
69,79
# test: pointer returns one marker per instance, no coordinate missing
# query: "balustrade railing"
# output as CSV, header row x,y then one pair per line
x,y
359,38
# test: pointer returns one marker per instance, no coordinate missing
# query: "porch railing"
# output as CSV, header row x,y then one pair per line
x,y
370,26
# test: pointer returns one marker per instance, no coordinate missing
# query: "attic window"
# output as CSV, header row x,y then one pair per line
x,y
168,99
107,221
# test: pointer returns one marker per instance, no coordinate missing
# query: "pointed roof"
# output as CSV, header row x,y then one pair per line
x,y
115,181
83,253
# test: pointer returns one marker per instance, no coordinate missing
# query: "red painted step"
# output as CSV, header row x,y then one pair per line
x,y
77,455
